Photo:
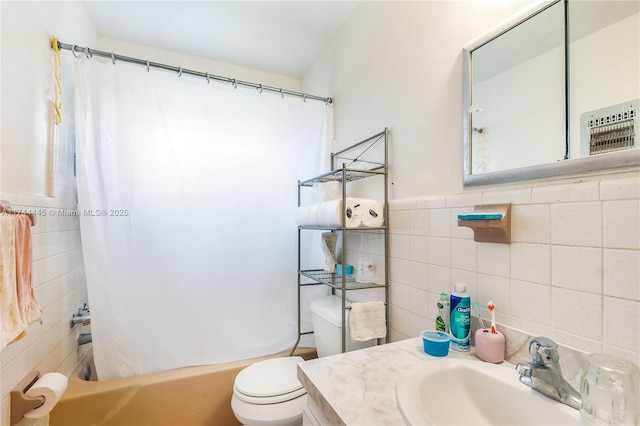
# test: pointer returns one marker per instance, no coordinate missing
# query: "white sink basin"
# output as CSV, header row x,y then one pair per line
x,y
452,391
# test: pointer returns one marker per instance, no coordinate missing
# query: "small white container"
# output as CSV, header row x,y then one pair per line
x,y
327,321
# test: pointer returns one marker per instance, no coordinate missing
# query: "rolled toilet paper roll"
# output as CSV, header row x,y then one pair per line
x,y
51,386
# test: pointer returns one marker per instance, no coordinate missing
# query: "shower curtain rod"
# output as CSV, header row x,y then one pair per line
x,y
180,71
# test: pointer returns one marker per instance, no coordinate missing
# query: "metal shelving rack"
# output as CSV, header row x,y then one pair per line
x,y
354,165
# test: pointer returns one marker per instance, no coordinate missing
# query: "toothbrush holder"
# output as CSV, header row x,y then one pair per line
x,y
489,346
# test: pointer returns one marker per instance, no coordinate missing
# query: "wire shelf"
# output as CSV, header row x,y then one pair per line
x,y
333,280
351,175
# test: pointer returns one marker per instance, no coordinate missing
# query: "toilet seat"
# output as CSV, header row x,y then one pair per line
x,y
269,382
266,400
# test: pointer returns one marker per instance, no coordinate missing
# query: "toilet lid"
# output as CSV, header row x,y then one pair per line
x,y
268,400
277,376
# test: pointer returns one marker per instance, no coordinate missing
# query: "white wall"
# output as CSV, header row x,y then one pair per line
x,y
198,64
28,83
58,274
572,270
399,64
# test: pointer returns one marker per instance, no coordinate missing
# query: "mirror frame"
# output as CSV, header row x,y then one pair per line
x,y
617,161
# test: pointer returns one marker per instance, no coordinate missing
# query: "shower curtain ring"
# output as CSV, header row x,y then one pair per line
x,y
73,50
235,83
86,52
147,65
180,72
113,58
208,78
260,88
281,94
304,97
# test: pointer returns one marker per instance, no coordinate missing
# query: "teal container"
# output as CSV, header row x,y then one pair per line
x,y
348,268
460,318
435,343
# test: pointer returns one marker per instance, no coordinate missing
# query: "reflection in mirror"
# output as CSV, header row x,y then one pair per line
x,y
518,81
604,82
553,121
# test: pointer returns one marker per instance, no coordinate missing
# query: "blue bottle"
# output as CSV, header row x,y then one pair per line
x,y
460,318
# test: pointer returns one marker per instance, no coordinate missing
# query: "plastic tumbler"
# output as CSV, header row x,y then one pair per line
x,y
610,390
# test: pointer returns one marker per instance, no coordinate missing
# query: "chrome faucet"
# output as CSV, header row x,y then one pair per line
x,y
544,374
82,316
84,338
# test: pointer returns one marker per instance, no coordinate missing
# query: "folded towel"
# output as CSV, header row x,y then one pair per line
x,y
29,308
367,321
11,325
359,212
326,191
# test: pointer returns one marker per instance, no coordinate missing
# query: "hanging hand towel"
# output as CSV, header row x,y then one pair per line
x,y
29,308
367,321
11,325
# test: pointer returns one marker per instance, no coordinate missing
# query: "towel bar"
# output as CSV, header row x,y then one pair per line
x,y
5,208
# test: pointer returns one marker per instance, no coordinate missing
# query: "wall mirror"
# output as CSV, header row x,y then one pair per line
x,y
553,92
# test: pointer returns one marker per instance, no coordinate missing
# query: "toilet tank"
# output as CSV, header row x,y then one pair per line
x,y
327,320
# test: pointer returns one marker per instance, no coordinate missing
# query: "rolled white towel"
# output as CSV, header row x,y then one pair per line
x,y
371,213
367,321
359,212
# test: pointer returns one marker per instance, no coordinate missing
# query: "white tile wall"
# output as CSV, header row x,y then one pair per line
x,y
60,288
577,224
623,224
531,262
572,271
620,273
577,268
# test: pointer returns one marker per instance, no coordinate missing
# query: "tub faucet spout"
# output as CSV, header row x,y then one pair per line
x,y
84,338
544,374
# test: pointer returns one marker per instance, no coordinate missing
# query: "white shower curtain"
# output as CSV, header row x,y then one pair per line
x,y
187,194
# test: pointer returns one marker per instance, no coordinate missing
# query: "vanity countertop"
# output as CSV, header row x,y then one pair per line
x,y
359,388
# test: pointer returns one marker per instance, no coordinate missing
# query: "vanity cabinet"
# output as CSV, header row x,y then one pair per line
x,y
367,159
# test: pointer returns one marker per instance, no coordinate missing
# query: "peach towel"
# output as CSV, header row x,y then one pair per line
x,y
29,309
12,325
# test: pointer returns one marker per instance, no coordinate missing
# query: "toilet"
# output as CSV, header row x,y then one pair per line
x,y
269,393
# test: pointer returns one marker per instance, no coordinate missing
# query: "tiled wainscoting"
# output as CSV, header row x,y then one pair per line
x,y
571,272
60,288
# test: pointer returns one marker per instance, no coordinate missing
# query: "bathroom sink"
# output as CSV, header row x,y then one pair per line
x,y
468,392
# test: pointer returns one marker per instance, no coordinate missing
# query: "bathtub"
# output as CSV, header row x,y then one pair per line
x,y
192,396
